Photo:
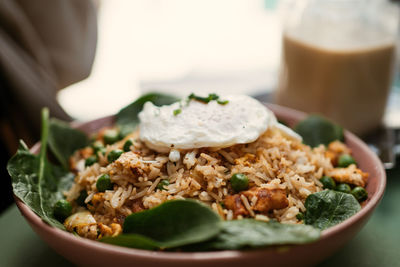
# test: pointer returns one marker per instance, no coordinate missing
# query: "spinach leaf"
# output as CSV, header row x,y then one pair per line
x,y
327,208
127,118
132,241
171,224
37,182
317,130
192,226
250,233
64,140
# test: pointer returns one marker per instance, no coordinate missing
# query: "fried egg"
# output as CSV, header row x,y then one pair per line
x,y
190,124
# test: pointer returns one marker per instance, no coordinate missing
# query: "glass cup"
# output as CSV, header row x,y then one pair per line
x,y
338,60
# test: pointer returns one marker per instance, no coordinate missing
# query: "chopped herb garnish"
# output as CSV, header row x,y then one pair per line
x,y
223,102
177,111
204,99
213,97
207,99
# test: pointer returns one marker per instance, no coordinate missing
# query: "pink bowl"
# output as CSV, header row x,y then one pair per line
x,y
91,253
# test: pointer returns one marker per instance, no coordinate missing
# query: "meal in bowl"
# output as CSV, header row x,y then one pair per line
x,y
203,173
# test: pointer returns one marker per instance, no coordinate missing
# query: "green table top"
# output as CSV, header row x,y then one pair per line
x,y
378,243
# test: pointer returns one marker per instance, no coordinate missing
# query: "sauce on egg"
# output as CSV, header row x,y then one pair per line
x,y
239,120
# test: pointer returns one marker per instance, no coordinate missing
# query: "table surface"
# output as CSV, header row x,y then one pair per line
x,y
378,243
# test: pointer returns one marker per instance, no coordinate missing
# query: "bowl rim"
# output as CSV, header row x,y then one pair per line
x,y
213,255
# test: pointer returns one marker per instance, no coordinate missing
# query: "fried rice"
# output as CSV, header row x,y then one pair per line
x,y
281,170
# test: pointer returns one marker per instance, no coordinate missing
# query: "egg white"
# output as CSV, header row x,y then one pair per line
x,y
242,120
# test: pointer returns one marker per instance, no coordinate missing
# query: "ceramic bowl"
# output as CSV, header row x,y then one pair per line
x,y
91,253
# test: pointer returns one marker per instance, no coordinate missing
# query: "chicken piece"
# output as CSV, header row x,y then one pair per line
x,y
335,149
113,230
119,219
83,223
79,219
234,203
339,148
97,198
332,156
116,229
104,230
350,175
267,199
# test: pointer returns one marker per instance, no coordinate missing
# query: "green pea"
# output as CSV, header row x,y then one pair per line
x,y
359,193
104,183
113,155
97,146
81,199
328,182
102,150
127,145
239,182
90,161
345,160
345,188
162,183
62,209
300,216
111,136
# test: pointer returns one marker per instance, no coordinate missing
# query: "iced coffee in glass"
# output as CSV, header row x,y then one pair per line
x,y
338,59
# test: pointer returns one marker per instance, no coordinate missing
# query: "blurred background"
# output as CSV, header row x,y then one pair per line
x,y
87,59
178,46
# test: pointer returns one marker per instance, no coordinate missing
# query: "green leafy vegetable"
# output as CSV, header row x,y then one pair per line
x,y
317,130
328,208
127,118
190,225
250,233
175,223
132,241
171,224
37,182
64,140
